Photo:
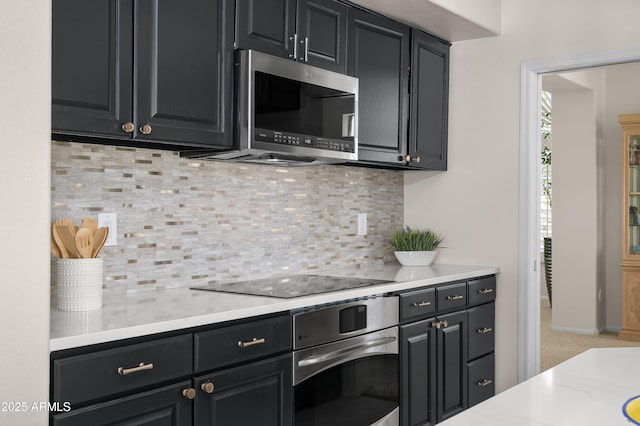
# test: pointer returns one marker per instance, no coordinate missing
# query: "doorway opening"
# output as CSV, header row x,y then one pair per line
x,y
529,203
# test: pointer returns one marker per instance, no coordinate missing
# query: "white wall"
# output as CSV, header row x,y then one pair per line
x,y
575,212
475,203
25,38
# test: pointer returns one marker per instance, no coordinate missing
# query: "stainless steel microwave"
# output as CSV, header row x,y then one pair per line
x,y
290,112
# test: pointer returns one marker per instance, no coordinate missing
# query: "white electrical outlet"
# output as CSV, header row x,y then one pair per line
x,y
362,224
109,220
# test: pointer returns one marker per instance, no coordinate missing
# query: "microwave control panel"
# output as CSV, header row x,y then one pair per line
x,y
284,138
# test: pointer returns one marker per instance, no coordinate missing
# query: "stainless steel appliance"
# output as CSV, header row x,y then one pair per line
x,y
292,113
345,364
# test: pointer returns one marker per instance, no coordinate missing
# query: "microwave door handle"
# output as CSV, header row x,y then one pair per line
x,y
316,359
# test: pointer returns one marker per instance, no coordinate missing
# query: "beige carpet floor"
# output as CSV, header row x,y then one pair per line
x,y
558,347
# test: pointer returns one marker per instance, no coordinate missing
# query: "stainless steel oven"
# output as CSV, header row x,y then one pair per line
x,y
345,364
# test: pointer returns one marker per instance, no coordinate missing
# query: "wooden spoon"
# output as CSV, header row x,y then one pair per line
x,y
99,238
84,243
90,224
57,247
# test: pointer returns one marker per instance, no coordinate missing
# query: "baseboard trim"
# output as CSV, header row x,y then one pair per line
x,y
585,331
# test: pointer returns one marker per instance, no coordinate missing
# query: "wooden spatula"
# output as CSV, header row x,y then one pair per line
x,y
99,238
57,248
67,239
84,243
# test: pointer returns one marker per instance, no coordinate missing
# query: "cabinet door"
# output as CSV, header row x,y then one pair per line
x,y
163,406
252,394
91,66
378,54
266,25
184,64
429,102
417,366
451,365
322,29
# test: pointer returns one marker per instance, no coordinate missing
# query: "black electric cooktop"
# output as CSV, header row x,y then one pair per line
x,y
291,286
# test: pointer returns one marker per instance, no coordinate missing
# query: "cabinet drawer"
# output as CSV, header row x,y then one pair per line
x,y
242,342
417,304
481,376
451,296
87,377
481,330
482,290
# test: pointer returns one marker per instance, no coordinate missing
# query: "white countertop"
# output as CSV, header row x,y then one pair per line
x,y
141,314
587,390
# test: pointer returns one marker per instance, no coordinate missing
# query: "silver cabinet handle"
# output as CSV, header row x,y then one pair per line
x,y
254,341
485,290
306,49
456,297
421,304
294,40
141,367
341,352
484,382
484,330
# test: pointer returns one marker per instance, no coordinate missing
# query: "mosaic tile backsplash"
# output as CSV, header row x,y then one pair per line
x,y
183,222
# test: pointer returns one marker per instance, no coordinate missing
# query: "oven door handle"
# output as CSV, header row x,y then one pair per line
x,y
316,359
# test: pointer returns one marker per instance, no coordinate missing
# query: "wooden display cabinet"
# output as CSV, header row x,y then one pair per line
x,y
630,227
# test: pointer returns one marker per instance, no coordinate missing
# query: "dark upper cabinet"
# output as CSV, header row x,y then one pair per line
x,y
311,31
266,25
429,102
322,31
378,54
154,71
92,66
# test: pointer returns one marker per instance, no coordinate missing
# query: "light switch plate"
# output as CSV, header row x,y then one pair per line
x,y
109,220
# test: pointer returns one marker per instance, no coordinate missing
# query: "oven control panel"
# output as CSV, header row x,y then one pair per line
x,y
338,321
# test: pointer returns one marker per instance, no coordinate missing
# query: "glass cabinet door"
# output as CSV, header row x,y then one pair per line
x,y
633,186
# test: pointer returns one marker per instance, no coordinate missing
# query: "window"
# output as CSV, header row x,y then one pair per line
x,y
545,169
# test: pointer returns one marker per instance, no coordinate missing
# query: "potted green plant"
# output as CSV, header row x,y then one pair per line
x,y
415,247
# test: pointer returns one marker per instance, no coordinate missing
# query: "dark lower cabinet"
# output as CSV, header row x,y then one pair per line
x,y
481,373
155,71
254,394
378,54
164,406
417,373
451,365
447,360
239,373
428,123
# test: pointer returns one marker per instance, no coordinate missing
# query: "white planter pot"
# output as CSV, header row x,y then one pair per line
x,y
415,258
